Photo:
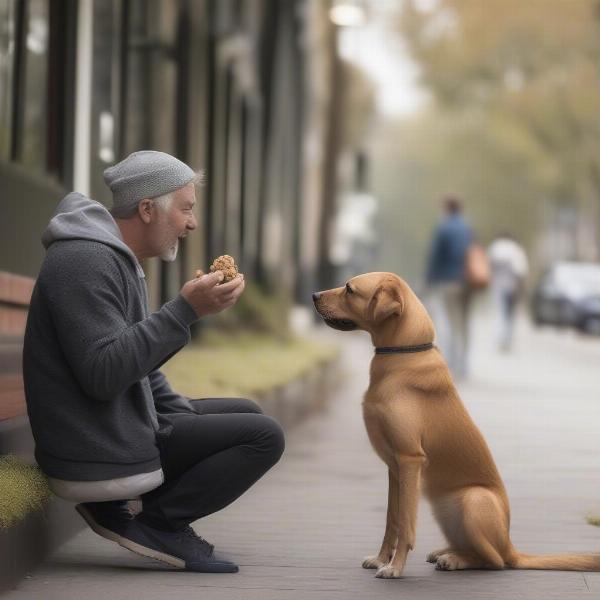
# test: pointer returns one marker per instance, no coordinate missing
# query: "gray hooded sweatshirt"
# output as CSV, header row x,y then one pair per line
x,y
95,397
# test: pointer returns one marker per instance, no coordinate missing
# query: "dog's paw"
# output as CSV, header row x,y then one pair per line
x,y
388,572
372,562
447,562
433,556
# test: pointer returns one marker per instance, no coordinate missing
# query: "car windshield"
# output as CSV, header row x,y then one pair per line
x,y
578,279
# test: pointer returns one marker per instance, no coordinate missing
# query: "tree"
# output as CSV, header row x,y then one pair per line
x,y
531,71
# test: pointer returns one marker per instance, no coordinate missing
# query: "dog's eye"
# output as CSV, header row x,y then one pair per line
x,y
349,290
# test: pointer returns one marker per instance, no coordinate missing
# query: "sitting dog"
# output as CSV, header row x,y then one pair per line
x,y
420,428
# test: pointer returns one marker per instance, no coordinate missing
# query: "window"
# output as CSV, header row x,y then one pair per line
x,y
106,77
7,65
37,59
32,149
152,76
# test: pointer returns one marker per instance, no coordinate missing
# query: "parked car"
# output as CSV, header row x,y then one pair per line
x,y
588,315
565,296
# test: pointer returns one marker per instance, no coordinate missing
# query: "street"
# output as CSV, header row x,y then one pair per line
x,y
303,530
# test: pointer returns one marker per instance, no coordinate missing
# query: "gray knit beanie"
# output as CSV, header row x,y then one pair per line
x,y
144,174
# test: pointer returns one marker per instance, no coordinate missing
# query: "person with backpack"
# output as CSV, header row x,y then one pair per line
x,y
454,269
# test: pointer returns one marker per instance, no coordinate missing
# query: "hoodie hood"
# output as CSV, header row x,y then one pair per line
x,y
77,217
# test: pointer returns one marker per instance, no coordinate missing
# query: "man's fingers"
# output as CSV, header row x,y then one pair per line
x,y
232,301
231,298
234,294
226,288
211,279
226,292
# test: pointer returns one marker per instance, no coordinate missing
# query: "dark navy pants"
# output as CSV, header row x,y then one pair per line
x,y
210,459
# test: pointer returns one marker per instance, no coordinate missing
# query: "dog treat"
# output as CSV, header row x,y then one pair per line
x,y
225,264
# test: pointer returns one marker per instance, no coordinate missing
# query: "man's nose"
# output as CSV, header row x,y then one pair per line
x,y
316,296
192,223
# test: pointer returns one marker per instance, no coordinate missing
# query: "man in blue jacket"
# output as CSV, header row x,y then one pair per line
x,y
446,277
107,425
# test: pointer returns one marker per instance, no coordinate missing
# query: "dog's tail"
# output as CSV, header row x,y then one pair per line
x,y
558,562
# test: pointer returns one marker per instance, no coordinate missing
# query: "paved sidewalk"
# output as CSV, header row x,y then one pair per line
x,y
302,531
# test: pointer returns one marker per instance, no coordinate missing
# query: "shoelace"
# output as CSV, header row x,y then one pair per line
x,y
189,532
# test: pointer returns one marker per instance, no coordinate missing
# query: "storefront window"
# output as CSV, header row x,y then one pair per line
x,y
34,134
105,94
152,67
7,58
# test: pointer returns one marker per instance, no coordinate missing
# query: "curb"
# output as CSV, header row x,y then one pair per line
x,y
292,403
24,545
27,543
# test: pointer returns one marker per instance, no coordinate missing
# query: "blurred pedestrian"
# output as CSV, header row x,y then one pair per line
x,y
509,267
446,280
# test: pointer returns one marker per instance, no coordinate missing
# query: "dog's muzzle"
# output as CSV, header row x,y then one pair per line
x,y
341,324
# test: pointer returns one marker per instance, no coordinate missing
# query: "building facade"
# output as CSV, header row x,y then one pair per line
x,y
240,88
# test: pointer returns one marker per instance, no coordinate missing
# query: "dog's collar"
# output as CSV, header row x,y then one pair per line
x,y
403,349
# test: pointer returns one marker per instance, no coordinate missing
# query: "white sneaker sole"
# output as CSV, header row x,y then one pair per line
x,y
150,553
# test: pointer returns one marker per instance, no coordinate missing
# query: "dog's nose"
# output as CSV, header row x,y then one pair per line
x,y
316,296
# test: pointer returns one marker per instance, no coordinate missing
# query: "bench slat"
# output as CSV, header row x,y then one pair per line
x,y
16,289
12,396
15,295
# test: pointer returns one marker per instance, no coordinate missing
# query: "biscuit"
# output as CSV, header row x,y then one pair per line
x,y
225,264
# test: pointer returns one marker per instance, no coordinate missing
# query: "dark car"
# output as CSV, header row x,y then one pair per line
x,y
565,294
588,315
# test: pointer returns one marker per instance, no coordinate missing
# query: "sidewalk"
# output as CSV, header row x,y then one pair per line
x,y
302,531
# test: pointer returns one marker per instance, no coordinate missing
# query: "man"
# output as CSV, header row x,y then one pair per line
x,y
509,270
107,425
446,276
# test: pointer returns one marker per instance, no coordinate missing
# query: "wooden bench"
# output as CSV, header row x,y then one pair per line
x,y
15,295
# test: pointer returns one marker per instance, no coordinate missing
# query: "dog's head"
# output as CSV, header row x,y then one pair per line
x,y
382,304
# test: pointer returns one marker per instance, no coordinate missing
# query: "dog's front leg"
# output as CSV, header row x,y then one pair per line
x,y
391,527
408,470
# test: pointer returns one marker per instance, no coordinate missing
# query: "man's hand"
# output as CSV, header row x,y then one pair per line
x,y
207,298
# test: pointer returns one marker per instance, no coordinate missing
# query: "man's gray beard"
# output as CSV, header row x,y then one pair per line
x,y
170,254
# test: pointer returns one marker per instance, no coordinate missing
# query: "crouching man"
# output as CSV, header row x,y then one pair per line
x,y
107,426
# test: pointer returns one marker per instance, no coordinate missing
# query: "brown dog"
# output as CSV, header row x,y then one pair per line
x,y
419,427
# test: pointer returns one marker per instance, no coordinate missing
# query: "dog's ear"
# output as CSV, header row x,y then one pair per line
x,y
385,302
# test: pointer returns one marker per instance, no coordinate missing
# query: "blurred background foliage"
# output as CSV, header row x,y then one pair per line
x,y
259,311
513,125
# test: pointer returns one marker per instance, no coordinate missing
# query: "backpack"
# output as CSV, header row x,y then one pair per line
x,y
477,267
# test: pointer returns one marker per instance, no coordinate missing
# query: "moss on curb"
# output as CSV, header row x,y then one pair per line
x,y
23,489
593,521
245,364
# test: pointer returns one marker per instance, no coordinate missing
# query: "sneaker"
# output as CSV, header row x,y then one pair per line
x,y
182,549
108,519
209,548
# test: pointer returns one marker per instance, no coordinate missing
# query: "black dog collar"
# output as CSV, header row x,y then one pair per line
x,y
403,349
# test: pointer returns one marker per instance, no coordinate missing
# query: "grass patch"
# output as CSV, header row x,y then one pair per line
x,y
23,489
593,521
242,364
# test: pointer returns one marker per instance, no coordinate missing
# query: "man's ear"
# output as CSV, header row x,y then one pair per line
x,y
385,302
145,208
